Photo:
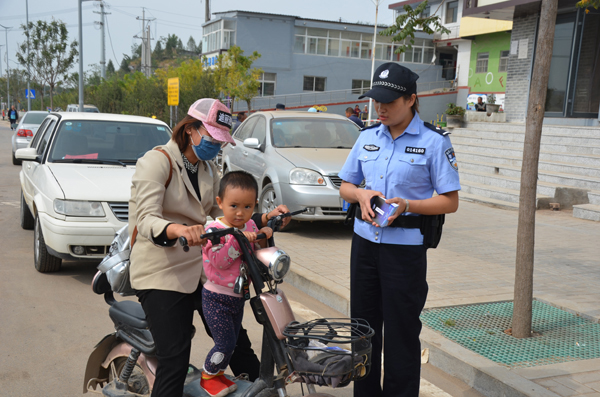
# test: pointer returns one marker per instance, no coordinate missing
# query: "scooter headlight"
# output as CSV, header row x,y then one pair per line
x,y
276,260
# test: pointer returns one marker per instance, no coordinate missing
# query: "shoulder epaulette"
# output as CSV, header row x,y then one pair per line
x,y
371,126
436,129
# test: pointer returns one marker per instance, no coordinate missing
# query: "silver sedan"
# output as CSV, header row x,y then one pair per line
x,y
295,158
26,129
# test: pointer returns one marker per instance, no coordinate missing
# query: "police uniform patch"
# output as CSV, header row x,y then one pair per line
x,y
371,148
451,158
414,150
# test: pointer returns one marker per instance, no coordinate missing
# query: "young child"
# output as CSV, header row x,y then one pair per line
x,y
223,308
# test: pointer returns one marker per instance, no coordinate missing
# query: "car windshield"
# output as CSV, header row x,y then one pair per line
x,y
313,133
105,141
34,118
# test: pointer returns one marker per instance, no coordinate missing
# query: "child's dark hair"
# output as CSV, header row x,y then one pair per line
x,y
240,179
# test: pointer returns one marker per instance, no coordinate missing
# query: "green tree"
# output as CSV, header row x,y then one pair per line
x,y
110,68
191,45
136,51
125,64
50,55
235,77
588,3
158,50
170,45
411,21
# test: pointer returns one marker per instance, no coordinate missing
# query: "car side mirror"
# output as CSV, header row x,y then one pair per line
x,y
252,143
28,154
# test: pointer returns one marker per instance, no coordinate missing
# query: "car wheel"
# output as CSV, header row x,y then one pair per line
x,y
44,262
269,201
15,161
27,221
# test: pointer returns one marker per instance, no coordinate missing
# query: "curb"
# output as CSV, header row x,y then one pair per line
x,y
478,372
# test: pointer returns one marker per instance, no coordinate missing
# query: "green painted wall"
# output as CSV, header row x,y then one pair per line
x,y
492,80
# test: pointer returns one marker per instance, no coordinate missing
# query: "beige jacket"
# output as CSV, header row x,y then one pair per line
x,y
152,208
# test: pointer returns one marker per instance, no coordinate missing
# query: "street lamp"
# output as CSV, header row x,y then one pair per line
x,y
79,3
28,60
376,2
7,68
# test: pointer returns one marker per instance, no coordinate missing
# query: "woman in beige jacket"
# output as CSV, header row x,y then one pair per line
x,y
168,280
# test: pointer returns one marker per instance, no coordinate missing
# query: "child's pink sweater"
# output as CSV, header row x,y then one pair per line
x,y
222,262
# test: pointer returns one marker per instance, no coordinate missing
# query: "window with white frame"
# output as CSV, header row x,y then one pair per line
x,y
219,35
452,11
312,83
503,62
426,12
267,84
359,87
482,62
359,45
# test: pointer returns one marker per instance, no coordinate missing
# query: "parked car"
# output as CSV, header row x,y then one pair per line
x,y
295,157
26,129
74,107
76,181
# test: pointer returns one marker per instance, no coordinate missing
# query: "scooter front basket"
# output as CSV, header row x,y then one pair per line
x,y
329,351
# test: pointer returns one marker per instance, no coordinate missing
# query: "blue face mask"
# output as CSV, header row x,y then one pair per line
x,y
206,150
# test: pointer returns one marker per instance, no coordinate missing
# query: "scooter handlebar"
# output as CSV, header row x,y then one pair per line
x,y
214,234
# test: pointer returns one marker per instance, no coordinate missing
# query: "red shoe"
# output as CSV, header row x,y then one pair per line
x,y
213,385
223,379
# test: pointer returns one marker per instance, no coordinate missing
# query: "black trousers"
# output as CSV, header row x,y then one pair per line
x,y
388,288
170,317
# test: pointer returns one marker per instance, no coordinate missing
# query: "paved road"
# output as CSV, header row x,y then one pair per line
x,y
49,323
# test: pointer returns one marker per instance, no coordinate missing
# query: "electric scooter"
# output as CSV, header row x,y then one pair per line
x,y
323,352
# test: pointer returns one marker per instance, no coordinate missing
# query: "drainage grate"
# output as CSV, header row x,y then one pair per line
x,y
480,328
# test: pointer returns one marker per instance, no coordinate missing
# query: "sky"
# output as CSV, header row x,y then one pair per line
x,y
181,17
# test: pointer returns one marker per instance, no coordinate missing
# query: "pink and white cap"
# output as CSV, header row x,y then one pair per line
x,y
215,117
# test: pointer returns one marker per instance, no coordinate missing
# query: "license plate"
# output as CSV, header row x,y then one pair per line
x,y
345,205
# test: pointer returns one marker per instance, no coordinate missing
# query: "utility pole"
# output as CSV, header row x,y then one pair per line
x,y
206,10
102,24
28,60
146,59
376,2
7,69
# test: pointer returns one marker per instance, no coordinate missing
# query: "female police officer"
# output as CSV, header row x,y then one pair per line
x,y
405,161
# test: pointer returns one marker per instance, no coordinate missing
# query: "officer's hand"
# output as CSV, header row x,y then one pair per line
x,y
280,210
364,199
401,208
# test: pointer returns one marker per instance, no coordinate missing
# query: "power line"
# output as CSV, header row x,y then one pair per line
x,y
111,44
41,14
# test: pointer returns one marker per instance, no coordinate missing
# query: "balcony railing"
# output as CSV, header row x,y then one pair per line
x,y
454,34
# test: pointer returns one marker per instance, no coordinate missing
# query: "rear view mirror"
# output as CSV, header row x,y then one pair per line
x,y
252,143
28,154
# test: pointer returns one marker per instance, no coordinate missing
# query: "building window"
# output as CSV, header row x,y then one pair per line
x,y
426,12
503,64
312,83
267,84
359,87
482,62
452,11
219,35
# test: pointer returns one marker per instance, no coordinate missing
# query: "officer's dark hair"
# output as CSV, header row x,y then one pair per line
x,y
349,110
415,106
239,179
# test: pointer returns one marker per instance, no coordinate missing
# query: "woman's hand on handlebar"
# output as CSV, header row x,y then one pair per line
x,y
280,210
191,233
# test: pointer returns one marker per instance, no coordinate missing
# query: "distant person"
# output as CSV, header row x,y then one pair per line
x,y
241,116
365,113
13,117
352,117
356,111
279,106
3,114
480,106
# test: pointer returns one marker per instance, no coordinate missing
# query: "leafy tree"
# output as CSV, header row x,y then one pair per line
x,y
110,68
411,21
50,55
170,45
136,51
235,77
179,44
125,64
191,45
158,50
588,3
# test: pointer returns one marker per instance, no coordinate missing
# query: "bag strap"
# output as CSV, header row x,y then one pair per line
x,y
167,183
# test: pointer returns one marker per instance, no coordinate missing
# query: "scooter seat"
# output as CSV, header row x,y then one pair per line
x,y
128,313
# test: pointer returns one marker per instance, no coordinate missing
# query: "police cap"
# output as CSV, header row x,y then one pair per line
x,y
390,82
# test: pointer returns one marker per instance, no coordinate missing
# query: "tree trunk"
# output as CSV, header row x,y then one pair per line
x,y
52,96
249,103
521,324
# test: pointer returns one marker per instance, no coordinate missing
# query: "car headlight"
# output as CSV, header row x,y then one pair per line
x,y
302,176
78,208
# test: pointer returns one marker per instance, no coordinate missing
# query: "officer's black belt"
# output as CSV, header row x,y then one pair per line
x,y
405,222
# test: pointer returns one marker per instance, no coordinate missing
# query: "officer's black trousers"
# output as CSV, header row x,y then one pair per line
x,y
170,315
388,288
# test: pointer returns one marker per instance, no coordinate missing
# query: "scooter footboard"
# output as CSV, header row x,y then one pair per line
x,y
192,385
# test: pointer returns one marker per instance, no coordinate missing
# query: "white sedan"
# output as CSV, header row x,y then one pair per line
x,y
76,182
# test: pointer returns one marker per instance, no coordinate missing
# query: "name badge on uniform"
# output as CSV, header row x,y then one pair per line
x,y
414,150
371,148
